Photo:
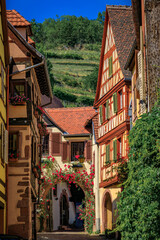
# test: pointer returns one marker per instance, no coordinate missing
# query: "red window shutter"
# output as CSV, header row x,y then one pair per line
x,y
65,152
89,150
56,137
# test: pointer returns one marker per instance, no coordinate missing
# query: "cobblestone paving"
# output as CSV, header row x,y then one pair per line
x,y
68,236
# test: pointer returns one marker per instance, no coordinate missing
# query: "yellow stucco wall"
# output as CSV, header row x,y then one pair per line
x,y
2,124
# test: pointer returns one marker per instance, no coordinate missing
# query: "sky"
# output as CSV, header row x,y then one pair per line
x,y
40,10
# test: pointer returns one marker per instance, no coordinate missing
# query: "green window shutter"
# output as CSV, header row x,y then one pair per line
x,y
107,109
115,102
100,113
110,67
114,150
107,154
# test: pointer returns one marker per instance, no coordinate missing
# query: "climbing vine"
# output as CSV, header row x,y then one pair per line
x,y
52,174
139,205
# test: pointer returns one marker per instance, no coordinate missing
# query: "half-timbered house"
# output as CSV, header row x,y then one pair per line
x,y
113,96
143,60
28,80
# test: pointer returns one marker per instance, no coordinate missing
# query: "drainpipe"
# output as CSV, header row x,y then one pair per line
x,y
97,205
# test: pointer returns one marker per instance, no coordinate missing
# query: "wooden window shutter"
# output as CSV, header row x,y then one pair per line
x,y
89,151
110,67
115,102
100,114
114,150
65,151
107,109
107,154
56,143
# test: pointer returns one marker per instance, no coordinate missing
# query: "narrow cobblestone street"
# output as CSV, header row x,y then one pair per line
x,y
68,236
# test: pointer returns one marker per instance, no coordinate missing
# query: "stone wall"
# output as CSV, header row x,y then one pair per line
x,y
152,9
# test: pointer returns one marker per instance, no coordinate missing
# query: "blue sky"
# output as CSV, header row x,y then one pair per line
x,y
40,10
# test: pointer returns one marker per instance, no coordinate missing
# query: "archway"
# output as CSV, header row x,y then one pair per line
x,y
107,211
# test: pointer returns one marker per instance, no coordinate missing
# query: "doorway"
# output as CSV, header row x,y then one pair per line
x,y
64,211
108,212
1,220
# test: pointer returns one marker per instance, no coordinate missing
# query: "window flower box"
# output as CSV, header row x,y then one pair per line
x,y
19,100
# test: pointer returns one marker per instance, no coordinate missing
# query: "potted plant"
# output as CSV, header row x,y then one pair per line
x,y
81,159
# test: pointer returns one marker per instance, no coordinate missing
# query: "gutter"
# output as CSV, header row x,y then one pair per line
x,y
27,68
77,135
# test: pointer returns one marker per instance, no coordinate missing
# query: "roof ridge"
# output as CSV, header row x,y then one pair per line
x,y
71,108
121,7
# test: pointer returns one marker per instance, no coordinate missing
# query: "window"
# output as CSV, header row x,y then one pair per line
x,y
13,145
100,114
120,100
108,154
115,150
107,109
77,148
115,102
110,67
18,88
119,148
45,145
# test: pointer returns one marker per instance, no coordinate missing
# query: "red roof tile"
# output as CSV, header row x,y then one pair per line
x,y
16,19
72,120
124,34
31,42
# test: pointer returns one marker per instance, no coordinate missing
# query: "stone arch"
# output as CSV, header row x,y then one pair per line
x,y
107,210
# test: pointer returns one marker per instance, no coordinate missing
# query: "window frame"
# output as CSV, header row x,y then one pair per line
x,y
17,142
120,100
18,82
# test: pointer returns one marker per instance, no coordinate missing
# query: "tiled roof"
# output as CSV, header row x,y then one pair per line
x,y
16,19
55,103
121,20
72,120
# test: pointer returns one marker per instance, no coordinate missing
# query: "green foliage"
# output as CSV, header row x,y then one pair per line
x,y
139,205
90,81
68,30
71,46
62,94
63,56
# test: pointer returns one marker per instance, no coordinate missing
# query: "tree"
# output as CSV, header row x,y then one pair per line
x,y
139,205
